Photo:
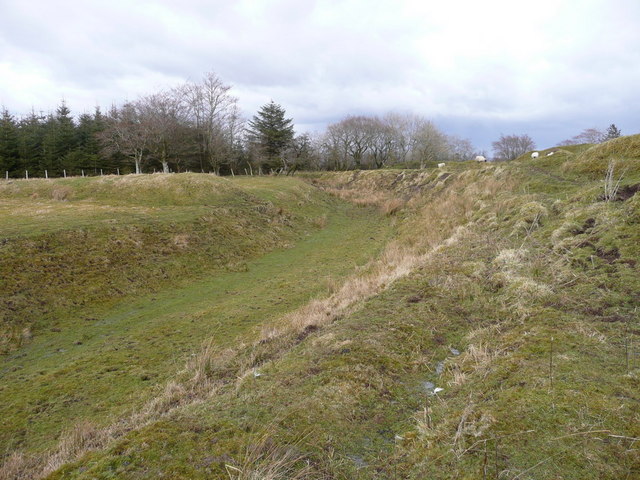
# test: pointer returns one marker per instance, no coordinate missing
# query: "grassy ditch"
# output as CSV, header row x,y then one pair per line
x,y
106,357
496,336
111,238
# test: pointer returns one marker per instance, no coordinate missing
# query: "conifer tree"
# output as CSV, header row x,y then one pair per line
x,y
66,135
59,140
32,132
50,159
87,152
9,143
271,133
612,132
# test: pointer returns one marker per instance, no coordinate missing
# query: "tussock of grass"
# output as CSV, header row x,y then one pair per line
x,y
266,460
392,206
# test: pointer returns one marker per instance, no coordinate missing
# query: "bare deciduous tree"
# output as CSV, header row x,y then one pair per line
x,y
509,147
460,149
588,135
335,146
165,117
430,144
126,132
214,114
359,141
382,141
358,133
404,128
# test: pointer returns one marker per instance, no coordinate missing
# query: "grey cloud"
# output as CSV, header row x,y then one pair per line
x,y
326,59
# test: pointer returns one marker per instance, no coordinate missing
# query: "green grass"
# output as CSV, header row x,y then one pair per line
x,y
99,361
91,249
101,366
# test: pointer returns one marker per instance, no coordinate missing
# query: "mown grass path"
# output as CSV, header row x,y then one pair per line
x,y
107,365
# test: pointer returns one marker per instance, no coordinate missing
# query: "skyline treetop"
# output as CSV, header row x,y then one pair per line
x,y
271,131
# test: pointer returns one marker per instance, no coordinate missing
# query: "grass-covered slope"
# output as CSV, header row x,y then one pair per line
x,y
495,337
247,250
589,161
84,242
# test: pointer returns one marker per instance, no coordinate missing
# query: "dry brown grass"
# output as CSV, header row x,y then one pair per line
x,y
361,198
320,222
395,262
181,240
17,467
81,438
475,360
392,206
84,437
62,193
266,460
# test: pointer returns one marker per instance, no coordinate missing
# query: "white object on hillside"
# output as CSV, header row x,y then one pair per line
x,y
437,390
440,165
535,155
550,153
480,158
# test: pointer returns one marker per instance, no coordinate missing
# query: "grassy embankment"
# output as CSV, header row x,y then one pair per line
x,y
514,288
120,281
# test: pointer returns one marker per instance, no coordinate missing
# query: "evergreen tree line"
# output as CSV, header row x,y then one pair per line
x,y
198,126
53,143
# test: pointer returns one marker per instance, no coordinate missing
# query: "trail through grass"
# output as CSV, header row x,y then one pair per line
x,y
99,367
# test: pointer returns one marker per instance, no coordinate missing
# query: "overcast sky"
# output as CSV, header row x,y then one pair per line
x,y
549,68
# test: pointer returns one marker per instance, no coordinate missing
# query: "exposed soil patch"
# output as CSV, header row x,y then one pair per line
x,y
589,223
608,256
627,192
415,299
309,329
